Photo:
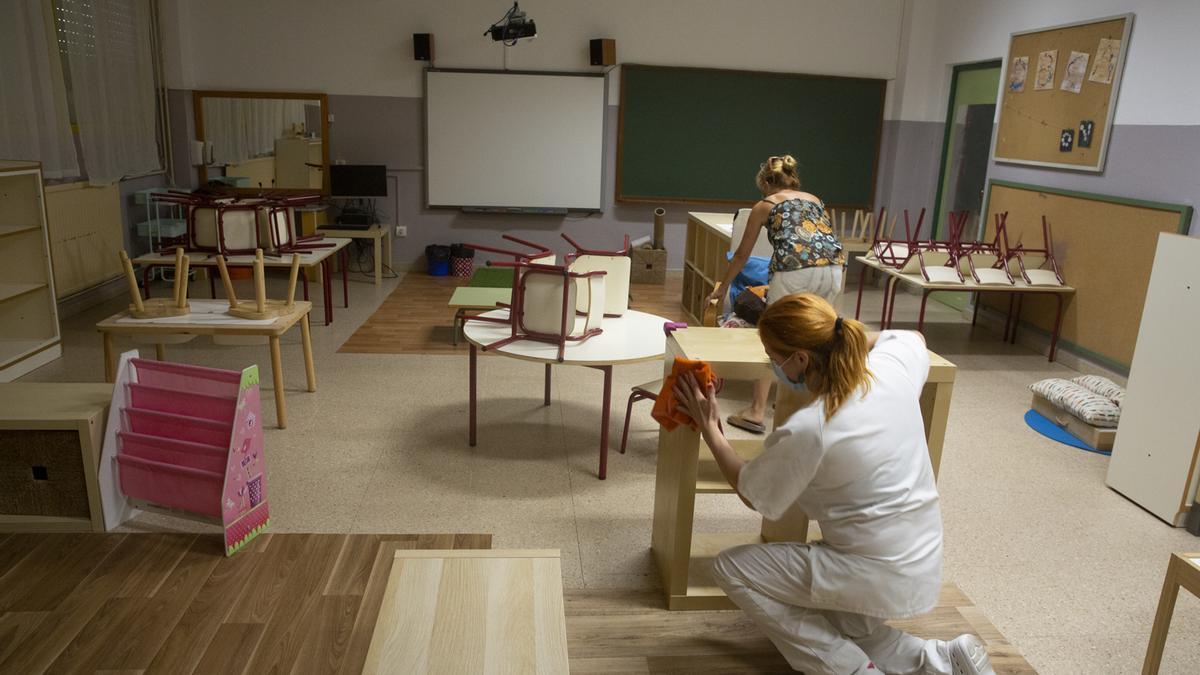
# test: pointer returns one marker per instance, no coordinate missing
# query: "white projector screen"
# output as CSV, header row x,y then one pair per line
x,y
498,140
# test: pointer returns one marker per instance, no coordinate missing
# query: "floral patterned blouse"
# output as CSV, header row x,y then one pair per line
x,y
801,237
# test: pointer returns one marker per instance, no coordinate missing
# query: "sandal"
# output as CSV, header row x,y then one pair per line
x,y
745,424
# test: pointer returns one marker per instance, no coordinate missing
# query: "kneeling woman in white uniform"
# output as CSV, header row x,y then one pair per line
x,y
855,461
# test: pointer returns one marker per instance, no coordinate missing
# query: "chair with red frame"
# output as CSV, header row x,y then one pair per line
x,y
887,250
539,255
276,219
615,265
937,261
1037,266
985,261
543,307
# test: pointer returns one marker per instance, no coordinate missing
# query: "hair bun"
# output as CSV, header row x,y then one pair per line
x,y
788,161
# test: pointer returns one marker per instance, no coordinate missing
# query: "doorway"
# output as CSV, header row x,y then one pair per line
x,y
966,148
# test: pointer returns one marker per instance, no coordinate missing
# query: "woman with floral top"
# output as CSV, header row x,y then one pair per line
x,y
806,255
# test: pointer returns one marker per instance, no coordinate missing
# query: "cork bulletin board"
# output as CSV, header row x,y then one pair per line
x,y
1060,92
1105,248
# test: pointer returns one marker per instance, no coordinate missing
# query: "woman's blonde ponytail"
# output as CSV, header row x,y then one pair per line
x,y
837,346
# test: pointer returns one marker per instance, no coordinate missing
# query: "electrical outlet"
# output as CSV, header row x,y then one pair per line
x,y
401,231
330,117
339,162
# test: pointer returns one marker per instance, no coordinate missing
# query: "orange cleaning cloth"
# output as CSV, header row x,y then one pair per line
x,y
667,411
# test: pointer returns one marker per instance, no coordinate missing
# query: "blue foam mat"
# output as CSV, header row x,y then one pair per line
x,y
1049,429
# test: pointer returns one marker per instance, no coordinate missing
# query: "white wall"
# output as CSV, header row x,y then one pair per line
x,y
1159,86
364,47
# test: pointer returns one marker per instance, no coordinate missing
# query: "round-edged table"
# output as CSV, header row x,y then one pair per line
x,y
630,338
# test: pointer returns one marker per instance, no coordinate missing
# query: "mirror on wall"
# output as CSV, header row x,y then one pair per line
x,y
262,140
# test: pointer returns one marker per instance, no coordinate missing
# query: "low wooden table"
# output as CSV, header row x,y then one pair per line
x,y
321,257
475,298
471,611
59,427
208,318
686,467
382,234
1182,572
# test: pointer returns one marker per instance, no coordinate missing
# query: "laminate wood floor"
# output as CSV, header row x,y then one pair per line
x,y
301,603
414,319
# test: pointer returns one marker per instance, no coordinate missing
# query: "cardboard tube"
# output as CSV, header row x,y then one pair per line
x,y
225,281
181,299
659,226
178,265
260,281
291,292
134,291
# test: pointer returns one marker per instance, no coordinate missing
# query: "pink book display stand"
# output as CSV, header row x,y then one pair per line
x,y
188,440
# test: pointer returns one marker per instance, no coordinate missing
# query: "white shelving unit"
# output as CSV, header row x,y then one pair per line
x,y
29,335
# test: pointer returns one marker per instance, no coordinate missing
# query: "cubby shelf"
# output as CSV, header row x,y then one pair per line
x,y
29,333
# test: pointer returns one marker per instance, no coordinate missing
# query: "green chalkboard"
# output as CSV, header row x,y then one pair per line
x,y
692,134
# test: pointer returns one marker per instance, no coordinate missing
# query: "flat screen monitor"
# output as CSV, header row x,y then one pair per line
x,y
358,180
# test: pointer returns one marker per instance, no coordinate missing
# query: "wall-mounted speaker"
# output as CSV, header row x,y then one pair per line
x,y
423,46
603,52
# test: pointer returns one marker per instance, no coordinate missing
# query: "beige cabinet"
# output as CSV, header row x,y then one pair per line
x,y
29,334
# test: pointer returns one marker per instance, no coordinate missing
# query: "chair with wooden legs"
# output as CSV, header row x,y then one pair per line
x,y
544,305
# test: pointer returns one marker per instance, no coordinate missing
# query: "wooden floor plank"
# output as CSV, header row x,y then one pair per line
x,y
297,607
15,628
353,567
226,653
51,571
15,548
159,615
271,607
185,645
324,645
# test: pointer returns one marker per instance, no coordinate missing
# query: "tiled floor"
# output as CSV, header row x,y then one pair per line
x,y
1065,568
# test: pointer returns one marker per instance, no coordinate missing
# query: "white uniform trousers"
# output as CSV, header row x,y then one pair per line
x,y
772,583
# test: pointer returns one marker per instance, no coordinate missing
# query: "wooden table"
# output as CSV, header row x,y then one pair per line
x,y
308,260
208,318
1183,571
1015,292
471,611
630,338
382,234
686,467
475,298
38,422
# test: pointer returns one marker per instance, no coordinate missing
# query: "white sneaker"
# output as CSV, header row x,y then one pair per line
x,y
968,656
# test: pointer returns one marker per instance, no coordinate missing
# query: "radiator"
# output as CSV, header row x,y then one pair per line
x,y
86,231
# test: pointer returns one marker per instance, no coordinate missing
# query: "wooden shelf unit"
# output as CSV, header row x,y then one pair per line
x,y
708,237
29,332
686,466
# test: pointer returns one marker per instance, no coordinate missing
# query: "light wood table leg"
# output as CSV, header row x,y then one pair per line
x,y
160,352
378,261
310,370
110,358
387,247
935,411
277,376
1162,620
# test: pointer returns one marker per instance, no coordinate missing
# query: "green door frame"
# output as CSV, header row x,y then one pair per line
x,y
941,180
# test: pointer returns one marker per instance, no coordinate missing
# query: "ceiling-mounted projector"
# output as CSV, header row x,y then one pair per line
x,y
513,26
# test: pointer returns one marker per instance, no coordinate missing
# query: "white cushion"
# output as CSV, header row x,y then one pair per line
x,y
1092,408
1102,386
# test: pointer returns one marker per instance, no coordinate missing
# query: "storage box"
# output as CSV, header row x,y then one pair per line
x,y
1097,437
648,265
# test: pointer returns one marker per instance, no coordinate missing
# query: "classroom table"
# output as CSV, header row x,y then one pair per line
x,y
630,338
308,260
380,233
1183,571
208,317
1016,295
474,298
686,467
471,611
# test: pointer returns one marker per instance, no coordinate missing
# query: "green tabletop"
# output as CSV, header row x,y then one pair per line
x,y
473,297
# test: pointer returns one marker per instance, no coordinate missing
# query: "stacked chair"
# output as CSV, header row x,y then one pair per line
x,y
1037,266
985,261
615,265
239,226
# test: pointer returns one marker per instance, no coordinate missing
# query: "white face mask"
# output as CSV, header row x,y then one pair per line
x,y
783,377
